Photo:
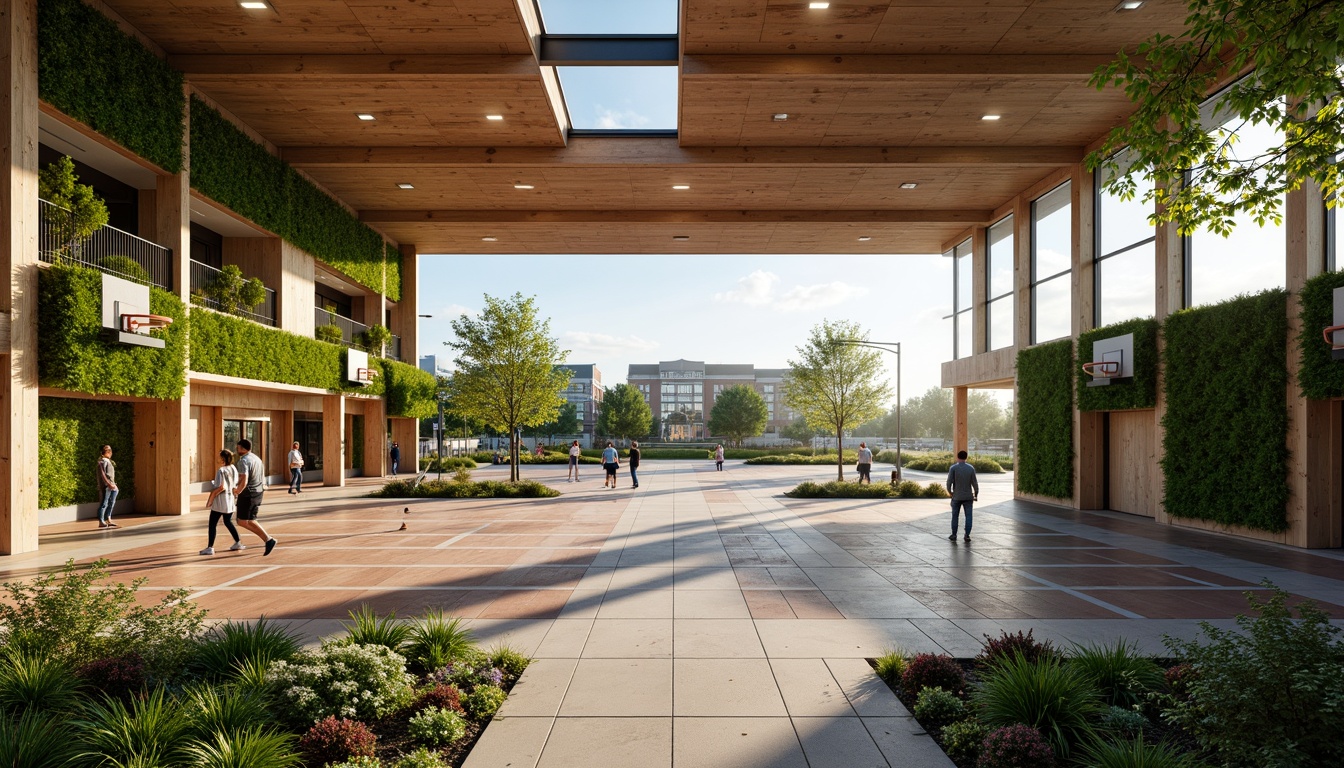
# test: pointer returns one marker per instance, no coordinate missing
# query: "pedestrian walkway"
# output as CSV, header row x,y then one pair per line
x,y
705,620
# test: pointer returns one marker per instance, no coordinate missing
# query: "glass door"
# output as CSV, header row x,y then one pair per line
x,y
236,429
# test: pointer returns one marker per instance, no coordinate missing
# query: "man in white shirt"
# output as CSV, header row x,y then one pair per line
x,y
295,469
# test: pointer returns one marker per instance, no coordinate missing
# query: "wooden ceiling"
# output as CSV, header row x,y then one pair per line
x,y
877,94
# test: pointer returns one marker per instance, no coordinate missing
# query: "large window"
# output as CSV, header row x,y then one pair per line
x,y
1252,258
999,278
963,312
684,403
1051,264
1126,268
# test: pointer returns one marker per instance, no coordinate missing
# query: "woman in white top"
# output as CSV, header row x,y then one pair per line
x,y
295,469
574,453
222,502
718,457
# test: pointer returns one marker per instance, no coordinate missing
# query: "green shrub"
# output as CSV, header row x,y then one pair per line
x,y
483,702
355,681
1270,693
76,616
1045,419
357,762
509,660
1226,383
330,333
436,640
909,489
1142,392
248,748
1320,375
793,459
962,740
837,489
35,682
935,708
72,354
1121,720
1121,676
1136,753
936,491
235,171
890,666
368,628
475,489
432,463
1047,695
222,709
437,727
92,71
420,758
125,267
35,740
148,730
232,644
70,433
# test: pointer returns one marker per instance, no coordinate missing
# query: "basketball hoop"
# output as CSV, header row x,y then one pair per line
x,y
144,323
1101,369
1329,334
366,374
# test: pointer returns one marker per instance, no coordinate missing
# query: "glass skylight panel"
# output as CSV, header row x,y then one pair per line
x,y
608,17
620,98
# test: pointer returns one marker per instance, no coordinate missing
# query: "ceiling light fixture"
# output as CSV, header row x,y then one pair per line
x,y
681,186
864,238
254,5
365,116
991,117
1129,5
489,239
781,117
523,186
818,6
405,185
681,238
494,117
909,185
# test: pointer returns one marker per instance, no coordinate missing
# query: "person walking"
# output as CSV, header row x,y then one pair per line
x,y
718,457
251,485
107,487
634,463
574,453
611,461
965,490
396,457
865,464
222,502
295,469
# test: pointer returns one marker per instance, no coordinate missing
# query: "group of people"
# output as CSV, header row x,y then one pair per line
x,y
611,463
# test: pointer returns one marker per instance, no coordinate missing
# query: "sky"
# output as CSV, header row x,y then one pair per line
x,y
618,310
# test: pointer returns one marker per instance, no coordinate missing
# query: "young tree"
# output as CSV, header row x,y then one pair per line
x,y
834,384
508,368
84,211
799,431
566,422
738,413
624,413
1294,48
656,427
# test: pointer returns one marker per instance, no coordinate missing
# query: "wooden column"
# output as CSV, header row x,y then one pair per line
x,y
960,420
333,441
377,460
282,434
407,433
1169,268
18,259
1089,429
979,290
408,308
1022,294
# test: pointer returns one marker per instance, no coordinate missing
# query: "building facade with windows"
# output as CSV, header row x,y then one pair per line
x,y
585,392
681,393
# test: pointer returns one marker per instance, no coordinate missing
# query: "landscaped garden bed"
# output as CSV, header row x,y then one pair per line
x,y
1268,695
459,488
838,489
90,675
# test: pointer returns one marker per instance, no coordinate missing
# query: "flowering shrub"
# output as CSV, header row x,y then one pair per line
x,y
1179,678
936,708
469,673
331,739
420,758
962,740
437,727
1005,645
483,702
1017,746
442,695
926,670
362,682
118,676
357,762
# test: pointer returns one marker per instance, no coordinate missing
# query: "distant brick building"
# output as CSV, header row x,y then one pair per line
x,y
681,393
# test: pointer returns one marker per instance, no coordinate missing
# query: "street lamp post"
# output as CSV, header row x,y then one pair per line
x,y
895,348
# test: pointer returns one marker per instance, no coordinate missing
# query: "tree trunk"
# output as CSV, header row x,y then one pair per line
x,y
514,453
840,453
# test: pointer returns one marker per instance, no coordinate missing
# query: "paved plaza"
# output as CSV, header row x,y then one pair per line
x,y
706,620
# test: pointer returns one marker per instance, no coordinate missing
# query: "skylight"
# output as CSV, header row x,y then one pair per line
x,y
609,17
620,98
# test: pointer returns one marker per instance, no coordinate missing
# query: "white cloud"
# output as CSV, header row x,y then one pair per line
x,y
454,311
584,345
618,119
758,289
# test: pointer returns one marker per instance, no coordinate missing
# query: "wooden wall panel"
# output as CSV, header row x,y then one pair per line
x,y
1134,456
333,441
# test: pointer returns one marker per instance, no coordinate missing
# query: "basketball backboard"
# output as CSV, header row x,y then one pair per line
x,y
1112,361
356,366
123,302
1335,334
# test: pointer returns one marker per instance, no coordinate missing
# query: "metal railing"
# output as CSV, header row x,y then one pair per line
x,y
107,250
352,332
203,276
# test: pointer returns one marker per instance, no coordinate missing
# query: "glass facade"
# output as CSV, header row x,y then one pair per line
x,y
999,277
963,310
682,403
1051,264
1126,278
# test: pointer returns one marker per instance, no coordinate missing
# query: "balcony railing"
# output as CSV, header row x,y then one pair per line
x,y
108,250
203,276
352,333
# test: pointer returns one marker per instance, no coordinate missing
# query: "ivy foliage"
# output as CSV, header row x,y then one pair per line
x,y
92,71
237,172
1142,392
1320,375
69,434
1045,419
1226,394
73,356
411,392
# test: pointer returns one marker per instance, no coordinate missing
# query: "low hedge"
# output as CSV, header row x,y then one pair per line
x,y
1320,375
72,355
837,489
981,464
1142,392
527,457
1045,419
821,459
69,434
1226,389
472,489
432,463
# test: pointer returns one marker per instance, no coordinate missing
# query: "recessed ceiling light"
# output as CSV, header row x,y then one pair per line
x,y
405,185
681,186
909,185
494,117
489,239
818,6
991,117
681,238
523,186
864,238
781,117
1129,5
254,5
365,116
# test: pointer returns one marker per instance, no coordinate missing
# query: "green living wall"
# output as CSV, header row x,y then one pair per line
x,y
230,168
69,434
92,71
1225,455
1140,393
410,391
72,355
1045,419
1320,375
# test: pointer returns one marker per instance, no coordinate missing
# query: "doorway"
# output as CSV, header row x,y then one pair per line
x,y
1131,462
254,431
308,434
